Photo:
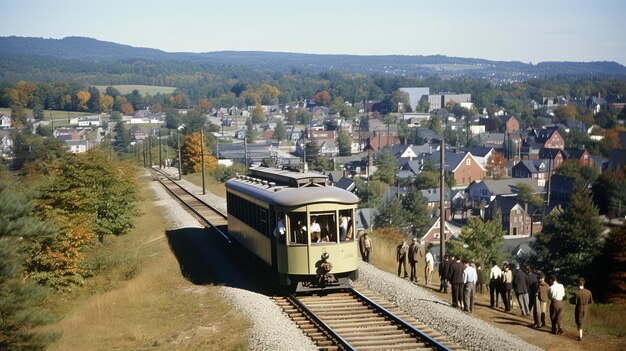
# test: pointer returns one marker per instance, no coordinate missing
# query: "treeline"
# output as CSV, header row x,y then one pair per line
x,y
59,209
237,86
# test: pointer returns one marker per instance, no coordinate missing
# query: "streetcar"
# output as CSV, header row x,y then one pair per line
x,y
300,227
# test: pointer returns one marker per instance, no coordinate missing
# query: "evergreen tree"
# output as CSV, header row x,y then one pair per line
x,y
417,211
122,136
526,195
387,168
571,241
609,193
392,215
251,133
426,180
19,298
280,133
480,241
312,150
344,144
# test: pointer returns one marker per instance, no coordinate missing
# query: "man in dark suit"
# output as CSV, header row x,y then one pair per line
x,y
414,256
456,278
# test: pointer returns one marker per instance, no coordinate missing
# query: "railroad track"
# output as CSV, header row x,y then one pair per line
x,y
351,321
345,320
210,216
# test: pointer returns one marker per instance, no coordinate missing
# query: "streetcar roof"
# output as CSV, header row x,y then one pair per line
x,y
288,177
288,196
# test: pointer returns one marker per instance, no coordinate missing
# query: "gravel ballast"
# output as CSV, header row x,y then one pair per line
x,y
273,330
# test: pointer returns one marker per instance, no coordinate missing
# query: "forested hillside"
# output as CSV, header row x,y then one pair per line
x,y
98,62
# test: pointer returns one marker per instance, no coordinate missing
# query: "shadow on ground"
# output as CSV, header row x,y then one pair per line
x,y
205,257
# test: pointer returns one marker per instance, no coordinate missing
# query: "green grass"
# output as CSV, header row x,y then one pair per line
x,y
138,299
143,89
211,185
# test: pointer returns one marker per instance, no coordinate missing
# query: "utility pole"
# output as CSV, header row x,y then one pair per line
x,y
180,167
245,152
442,207
150,150
202,155
160,152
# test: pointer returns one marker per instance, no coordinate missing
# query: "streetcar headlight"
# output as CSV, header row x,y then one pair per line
x,y
325,256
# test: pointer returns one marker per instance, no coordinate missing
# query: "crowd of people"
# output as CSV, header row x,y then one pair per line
x,y
466,278
528,288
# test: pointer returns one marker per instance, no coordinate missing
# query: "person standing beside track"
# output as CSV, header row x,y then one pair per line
x,y
429,261
469,286
495,280
414,255
455,276
444,270
365,245
556,293
401,256
582,299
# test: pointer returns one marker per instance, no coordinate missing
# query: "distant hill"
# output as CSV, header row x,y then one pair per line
x,y
48,59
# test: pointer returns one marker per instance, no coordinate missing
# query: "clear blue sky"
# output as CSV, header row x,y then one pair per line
x,y
519,30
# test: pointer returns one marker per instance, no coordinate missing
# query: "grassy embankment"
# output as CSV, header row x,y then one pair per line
x,y
138,299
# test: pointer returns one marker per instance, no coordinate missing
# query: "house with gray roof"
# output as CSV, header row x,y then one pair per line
x,y
365,217
516,218
494,140
346,183
486,190
537,170
520,248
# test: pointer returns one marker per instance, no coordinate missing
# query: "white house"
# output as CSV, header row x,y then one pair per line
x,y
79,146
5,121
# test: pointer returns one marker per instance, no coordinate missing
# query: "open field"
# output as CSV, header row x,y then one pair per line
x,y
139,300
143,89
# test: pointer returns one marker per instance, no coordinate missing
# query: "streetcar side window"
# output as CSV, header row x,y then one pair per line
x,y
346,225
248,212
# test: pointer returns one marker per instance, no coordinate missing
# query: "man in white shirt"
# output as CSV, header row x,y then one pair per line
x,y
495,279
469,285
430,266
556,293
316,231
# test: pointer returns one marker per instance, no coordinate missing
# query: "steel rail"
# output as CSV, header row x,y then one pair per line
x,y
154,173
411,329
330,333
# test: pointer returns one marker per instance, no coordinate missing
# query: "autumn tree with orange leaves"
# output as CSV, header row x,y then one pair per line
x,y
192,154
322,98
495,166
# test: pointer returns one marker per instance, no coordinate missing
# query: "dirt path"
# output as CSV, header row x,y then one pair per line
x,y
522,327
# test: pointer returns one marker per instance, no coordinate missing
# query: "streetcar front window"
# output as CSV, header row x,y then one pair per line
x,y
297,228
323,227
